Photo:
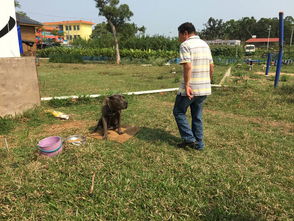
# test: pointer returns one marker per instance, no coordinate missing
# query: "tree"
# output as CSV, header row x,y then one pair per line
x,y
18,5
245,28
125,31
289,24
116,17
214,29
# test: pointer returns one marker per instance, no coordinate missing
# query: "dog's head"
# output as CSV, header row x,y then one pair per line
x,y
116,102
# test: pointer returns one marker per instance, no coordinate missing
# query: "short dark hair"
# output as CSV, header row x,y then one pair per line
x,y
187,26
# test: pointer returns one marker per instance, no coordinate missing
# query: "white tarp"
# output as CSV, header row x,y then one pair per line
x,y
9,46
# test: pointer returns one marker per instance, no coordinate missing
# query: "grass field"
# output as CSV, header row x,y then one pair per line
x,y
80,79
245,173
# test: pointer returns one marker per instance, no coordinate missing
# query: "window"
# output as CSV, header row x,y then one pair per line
x,y
68,37
78,27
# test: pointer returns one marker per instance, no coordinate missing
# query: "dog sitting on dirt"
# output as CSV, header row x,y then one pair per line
x,y
111,114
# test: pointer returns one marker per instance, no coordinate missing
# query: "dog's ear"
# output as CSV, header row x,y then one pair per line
x,y
108,103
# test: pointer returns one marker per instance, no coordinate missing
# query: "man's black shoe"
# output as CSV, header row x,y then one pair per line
x,y
198,148
186,144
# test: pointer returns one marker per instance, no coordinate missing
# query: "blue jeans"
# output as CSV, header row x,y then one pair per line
x,y
180,108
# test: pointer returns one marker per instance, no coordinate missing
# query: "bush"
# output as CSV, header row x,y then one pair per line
x,y
70,55
77,55
227,51
65,58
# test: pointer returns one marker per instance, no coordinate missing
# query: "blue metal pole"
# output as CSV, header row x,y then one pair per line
x,y
19,40
268,63
281,44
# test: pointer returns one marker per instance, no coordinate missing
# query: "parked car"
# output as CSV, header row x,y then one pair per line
x,y
249,49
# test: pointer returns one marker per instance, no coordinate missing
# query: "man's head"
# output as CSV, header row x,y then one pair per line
x,y
186,30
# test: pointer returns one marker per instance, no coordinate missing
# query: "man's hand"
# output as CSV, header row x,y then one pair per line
x,y
187,76
211,70
189,92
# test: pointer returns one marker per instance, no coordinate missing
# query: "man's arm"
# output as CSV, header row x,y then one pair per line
x,y
211,70
187,77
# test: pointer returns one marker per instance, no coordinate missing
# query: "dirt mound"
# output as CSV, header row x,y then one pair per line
x,y
128,132
83,128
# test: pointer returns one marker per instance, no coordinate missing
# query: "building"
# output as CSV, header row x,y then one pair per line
x,y
224,42
262,42
73,29
28,29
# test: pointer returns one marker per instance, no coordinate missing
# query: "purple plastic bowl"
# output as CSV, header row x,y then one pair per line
x,y
50,146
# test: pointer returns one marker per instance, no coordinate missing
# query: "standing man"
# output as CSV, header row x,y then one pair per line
x,y
198,69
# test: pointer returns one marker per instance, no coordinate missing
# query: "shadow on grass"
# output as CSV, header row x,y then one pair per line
x,y
220,214
286,92
153,135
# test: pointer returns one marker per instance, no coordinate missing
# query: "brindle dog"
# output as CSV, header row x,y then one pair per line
x,y
111,114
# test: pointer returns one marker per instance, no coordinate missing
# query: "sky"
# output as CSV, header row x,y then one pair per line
x,y
160,17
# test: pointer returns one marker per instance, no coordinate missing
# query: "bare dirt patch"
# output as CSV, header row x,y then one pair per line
x,y
83,128
79,126
128,132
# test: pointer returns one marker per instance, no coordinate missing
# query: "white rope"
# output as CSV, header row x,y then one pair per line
x,y
128,93
227,74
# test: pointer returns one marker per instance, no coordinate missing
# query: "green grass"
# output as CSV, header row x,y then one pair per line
x,y
284,69
81,79
245,173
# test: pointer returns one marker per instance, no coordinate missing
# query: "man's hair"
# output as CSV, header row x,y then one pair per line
x,y
187,26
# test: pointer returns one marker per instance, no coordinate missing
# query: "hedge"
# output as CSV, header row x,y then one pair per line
x,y
224,51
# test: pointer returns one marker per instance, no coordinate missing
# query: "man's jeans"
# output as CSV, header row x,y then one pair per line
x,y
181,105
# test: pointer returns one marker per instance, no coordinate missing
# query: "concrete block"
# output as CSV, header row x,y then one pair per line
x,y
19,86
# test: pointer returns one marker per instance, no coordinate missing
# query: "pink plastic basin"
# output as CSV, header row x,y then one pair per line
x,y
50,146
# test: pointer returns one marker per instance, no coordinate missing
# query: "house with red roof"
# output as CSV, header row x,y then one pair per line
x,y
262,42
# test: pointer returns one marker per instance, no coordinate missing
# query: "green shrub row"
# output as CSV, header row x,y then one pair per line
x,y
106,52
223,51
227,51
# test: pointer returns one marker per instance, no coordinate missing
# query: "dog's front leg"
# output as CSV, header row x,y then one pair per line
x,y
119,125
104,123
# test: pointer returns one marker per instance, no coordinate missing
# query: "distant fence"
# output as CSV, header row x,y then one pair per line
x,y
229,61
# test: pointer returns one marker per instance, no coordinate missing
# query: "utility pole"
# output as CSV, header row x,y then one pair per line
x,y
268,37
